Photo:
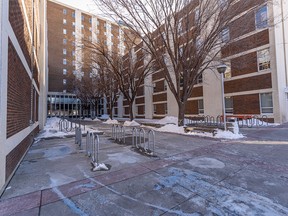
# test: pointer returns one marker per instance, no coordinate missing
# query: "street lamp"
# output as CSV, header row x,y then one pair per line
x,y
221,70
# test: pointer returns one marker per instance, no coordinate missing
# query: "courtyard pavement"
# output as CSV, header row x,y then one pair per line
x,y
190,176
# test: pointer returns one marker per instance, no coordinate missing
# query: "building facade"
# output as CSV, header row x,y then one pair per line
x,y
68,30
22,80
256,78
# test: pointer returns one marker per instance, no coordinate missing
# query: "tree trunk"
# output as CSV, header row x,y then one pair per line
x,y
181,113
131,111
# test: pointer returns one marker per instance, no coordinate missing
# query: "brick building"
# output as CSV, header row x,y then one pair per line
x,y
256,81
68,29
22,80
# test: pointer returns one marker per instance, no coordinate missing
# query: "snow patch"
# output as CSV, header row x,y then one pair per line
x,y
168,120
207,163
228,135
172,129
111,121
131,123
100,166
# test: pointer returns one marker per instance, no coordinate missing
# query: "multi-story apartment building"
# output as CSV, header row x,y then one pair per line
x,y
22,80
68,30
256,81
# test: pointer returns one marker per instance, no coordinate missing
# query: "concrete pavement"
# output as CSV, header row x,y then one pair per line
x,y
190,176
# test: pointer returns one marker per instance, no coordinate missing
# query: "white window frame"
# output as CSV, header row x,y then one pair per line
x,y
64,11
200,109
265,64
64,61
64,21
64,51
64,41
64,71
261,108
64,31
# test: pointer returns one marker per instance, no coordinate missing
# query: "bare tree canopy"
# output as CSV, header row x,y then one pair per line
x,y
185,38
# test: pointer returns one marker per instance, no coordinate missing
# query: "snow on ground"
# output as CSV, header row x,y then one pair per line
x,y
172,129
111,121
89,119
131,123
51,129
168,120
104,116
255,122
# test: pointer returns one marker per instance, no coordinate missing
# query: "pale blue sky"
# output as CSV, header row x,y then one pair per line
x,y
86,5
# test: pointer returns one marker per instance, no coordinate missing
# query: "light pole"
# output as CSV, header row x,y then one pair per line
x,y
221,70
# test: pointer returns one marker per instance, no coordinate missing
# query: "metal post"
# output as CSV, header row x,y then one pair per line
x,y
223,101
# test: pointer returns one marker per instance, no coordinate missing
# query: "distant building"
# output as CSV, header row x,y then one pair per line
x,y
256,81
68,28
22,80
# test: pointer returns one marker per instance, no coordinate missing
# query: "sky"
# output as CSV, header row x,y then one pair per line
x,y
86,5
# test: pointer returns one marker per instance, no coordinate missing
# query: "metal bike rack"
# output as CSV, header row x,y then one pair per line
x,y
151,141
95,148
78,136
114,131
121,134
89,138
134,137
66,125
141,134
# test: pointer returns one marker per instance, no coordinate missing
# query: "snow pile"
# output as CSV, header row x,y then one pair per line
x,y
89,119
51,130
111,121
100,167
172,129
168,120
104,116
228,135
256,122
131,123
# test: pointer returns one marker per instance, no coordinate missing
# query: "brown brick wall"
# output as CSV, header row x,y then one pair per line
x,y
160,97
244,64
141,110
140,100
19,91
159,86
246,104
14,157
197,92
160,109
242,25
248,84
191,107
251,42
55,46
20,27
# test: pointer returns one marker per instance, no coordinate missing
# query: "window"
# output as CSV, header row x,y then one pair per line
x,y
154,109
64,81
73,14
82,26
228,73
90,20
64,61
64,91
64,41
200,106
165,108
261,17
225,35
64,71
82,17
200,79
73,23
263,59
64,31
73,33
64,51
181,52
266,103
64,11
154,87
165,85
229,105
64,21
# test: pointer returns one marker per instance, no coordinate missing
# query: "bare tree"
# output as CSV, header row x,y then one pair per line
x,y
127,71
182,36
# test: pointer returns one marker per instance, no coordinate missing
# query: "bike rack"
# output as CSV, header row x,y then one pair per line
x,y
78,136
141,134
151,140
134,137
92,147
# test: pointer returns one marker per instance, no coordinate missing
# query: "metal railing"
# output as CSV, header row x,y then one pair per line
x,y
78,136
118,133
139,140
65,125
243,120
92,147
